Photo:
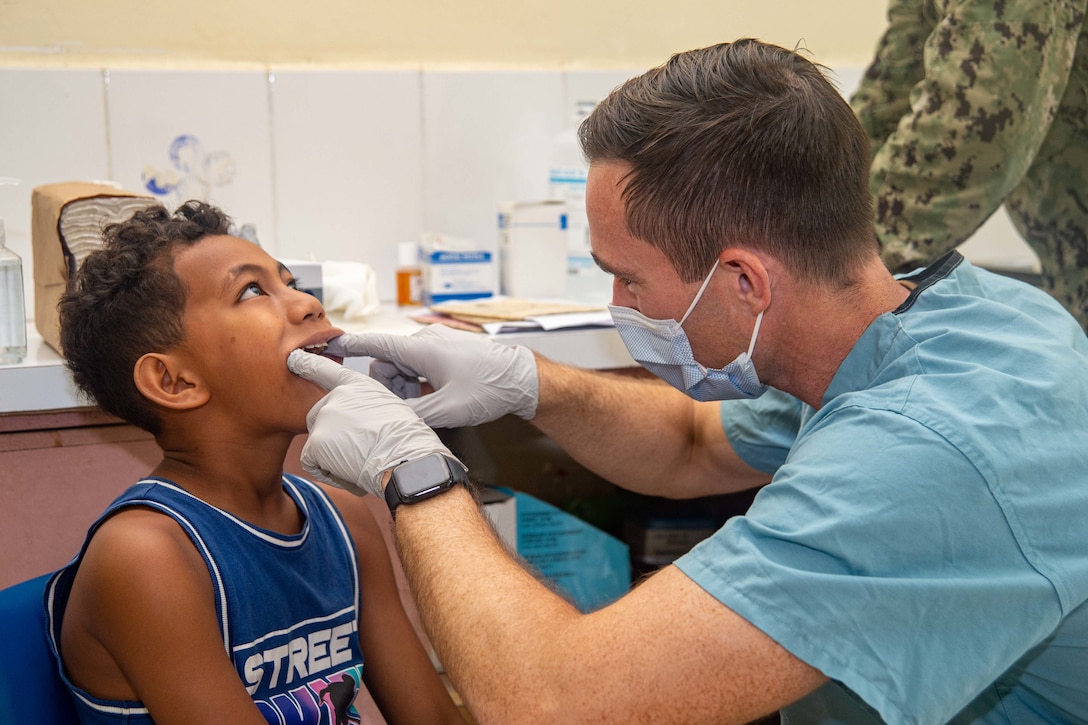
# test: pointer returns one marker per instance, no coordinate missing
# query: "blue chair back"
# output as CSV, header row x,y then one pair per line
x,y
31,690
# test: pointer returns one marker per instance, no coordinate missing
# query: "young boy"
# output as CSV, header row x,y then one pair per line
x,y
219,589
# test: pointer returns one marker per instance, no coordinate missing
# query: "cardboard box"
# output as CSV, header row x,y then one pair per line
x,y
66,224
659,540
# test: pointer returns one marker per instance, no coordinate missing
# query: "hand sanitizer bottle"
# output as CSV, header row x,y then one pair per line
x,y
12,306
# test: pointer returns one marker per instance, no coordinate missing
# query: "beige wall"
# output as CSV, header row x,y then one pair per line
x,y
420,33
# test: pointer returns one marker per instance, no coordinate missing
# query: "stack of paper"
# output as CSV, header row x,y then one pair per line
x,y
82,221
511,314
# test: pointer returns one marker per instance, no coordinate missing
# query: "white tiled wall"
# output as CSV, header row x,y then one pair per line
x,y
486,139
52,129
327,164
348,165
204,135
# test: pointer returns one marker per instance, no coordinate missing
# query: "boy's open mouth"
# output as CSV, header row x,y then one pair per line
x,y
319,348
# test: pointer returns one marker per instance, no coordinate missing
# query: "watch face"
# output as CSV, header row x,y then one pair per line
x,y
422,475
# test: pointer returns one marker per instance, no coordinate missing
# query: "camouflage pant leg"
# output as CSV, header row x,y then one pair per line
x,y
1050,205
1062,247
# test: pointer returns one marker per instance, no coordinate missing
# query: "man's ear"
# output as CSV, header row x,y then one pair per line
x,y
749,277
163,379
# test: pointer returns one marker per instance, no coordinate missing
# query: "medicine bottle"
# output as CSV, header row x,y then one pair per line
x,y
12,305
409,275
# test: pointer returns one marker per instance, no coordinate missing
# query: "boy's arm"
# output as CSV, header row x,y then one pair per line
x,y
397,670
141,625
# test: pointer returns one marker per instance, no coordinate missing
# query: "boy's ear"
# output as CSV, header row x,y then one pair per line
x,y
162,379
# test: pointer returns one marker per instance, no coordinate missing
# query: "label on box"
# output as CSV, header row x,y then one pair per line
x,y
590,566
455,275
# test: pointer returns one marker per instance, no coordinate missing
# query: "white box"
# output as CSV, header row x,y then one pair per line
x,y
454,268
453,275
501,509
308,276
533,245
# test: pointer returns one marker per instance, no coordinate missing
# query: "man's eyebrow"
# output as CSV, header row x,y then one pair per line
x,y
606,268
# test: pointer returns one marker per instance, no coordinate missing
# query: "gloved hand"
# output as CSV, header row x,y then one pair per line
x,y
359,430
476,380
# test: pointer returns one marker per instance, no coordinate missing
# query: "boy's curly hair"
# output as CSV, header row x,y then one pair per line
x,y
125,301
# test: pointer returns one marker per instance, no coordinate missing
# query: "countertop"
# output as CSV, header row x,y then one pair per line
x,y
41,383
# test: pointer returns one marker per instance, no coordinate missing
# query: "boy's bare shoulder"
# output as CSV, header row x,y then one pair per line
x,y
139,569
145,547
142,617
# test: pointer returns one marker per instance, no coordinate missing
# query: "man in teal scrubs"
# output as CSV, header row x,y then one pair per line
x,y
917,552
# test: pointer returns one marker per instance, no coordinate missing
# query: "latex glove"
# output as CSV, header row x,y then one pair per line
x,y
359,430
476,379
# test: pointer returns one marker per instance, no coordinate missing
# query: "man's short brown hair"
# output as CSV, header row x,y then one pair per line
x,y
744,144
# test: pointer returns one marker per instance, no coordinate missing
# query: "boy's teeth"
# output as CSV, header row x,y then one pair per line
x,y
316,348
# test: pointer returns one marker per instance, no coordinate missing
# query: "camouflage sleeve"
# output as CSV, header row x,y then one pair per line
x,y
994,74
883,95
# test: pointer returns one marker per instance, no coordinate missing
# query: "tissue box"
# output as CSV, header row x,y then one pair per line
x,y
66,225
533,244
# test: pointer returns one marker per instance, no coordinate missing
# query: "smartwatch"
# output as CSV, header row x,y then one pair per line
x,y
423,478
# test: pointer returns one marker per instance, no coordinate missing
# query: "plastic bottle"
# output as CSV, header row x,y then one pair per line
x,y
12,305
567,173
409,275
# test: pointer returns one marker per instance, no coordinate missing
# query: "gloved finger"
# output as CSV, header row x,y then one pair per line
x,y
313,470
319,369
403,385
435,411
317,473
347,345
377,345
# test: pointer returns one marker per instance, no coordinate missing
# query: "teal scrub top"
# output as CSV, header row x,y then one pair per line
x,y
924,539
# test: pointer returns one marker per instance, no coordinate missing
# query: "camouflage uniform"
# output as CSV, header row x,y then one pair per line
x,y
971,104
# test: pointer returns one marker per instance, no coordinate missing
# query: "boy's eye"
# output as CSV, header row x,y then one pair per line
x,y
250,291
292,283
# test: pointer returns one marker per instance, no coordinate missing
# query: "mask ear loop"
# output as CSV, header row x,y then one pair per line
x,y
699,294
755,333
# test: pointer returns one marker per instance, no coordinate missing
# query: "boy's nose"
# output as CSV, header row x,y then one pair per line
x,y
307,305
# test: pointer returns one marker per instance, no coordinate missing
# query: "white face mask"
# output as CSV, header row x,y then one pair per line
x,y
662,347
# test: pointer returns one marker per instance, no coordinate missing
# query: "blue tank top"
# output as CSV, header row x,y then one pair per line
x,y
288,606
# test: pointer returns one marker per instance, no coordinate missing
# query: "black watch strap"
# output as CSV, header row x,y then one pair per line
x,y
423,478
